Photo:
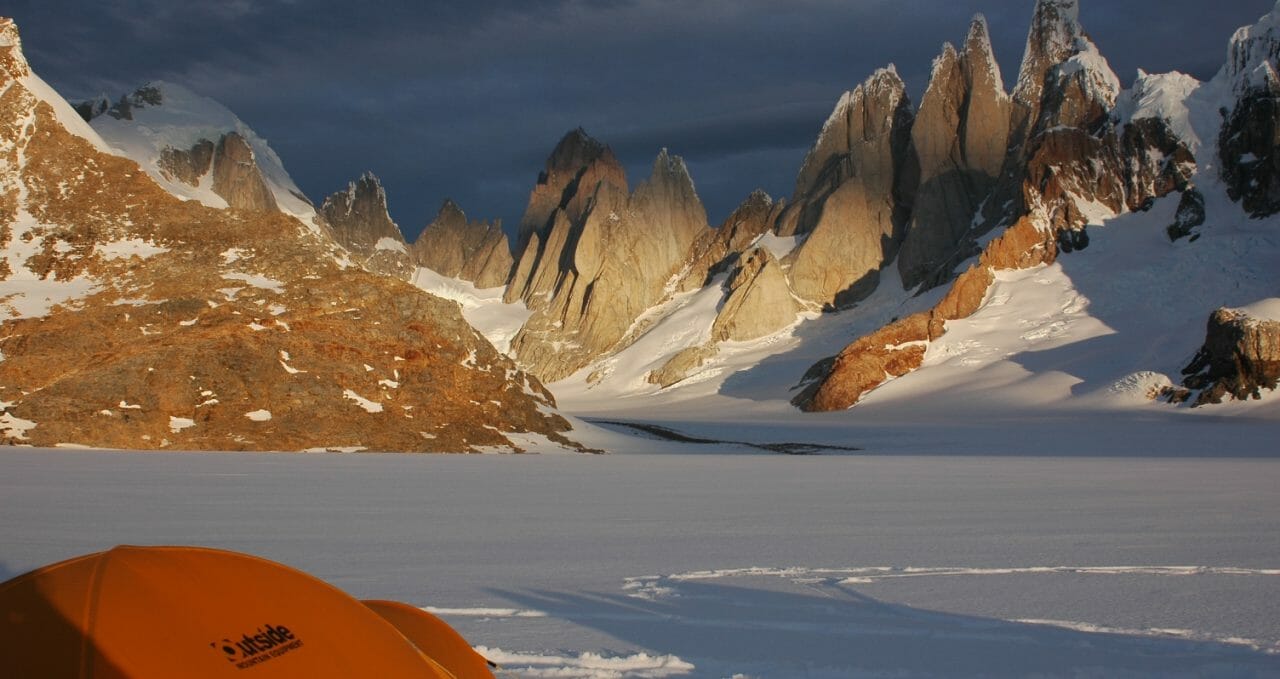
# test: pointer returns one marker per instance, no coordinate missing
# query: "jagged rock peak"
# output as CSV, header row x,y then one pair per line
x,y
1254,53
884,79
945,60
575,168
452,216
1161,96
13,61
359,217
758,198
456,248
980,55
92,108
886,89
670,169
1100,81
1055,31
1065,82
576,149
449,211
367,191
881,80
9,33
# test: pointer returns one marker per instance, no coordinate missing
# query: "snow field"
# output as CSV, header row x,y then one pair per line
x,y
721,565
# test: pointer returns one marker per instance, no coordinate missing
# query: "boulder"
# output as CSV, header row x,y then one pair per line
x,y
682,365
1189,217
1240,358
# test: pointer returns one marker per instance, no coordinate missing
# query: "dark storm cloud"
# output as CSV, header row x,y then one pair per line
x,y
465,99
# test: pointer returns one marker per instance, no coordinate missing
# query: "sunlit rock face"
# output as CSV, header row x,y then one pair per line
x,y
596,275
453,246
359,221
853,195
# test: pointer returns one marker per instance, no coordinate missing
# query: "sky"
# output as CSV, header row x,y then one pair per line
x,y
466,98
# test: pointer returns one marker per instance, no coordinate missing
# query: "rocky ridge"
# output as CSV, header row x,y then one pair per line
x,y
136,320
453,246
359,221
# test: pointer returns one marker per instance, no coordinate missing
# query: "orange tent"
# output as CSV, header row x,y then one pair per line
x,y
143,612
435,638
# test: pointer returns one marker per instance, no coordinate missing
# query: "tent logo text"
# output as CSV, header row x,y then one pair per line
x,y
262,645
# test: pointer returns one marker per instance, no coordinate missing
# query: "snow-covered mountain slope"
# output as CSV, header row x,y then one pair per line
x,y
1104,329
482,307
163,116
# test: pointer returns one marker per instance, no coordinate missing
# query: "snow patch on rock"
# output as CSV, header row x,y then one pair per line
x,y
364,403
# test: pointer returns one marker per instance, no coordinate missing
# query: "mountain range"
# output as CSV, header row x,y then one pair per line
x,y
1067,243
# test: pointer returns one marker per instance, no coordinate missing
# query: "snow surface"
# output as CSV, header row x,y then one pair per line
x,y
13,426
1162,96
483,309
1102,82
1263,310
364,403
65,114
130,247
1060,359
390,244
23,294
757,372
709,566
256,280
778,246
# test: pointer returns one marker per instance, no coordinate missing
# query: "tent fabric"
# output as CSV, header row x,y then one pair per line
x,y
435,638
143,612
